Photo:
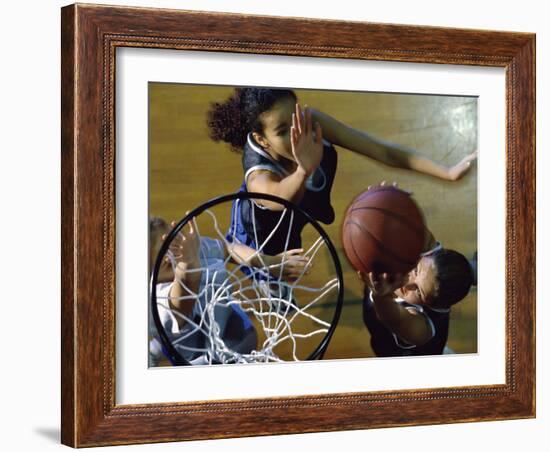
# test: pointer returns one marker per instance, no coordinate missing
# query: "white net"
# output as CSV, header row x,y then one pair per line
x,y
245,313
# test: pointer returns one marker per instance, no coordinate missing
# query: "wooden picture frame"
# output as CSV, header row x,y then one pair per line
x,y
90,36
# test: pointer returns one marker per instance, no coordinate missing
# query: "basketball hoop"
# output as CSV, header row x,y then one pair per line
x,y
251,314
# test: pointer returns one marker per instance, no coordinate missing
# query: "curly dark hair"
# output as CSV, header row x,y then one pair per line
x,y
233,119
454,277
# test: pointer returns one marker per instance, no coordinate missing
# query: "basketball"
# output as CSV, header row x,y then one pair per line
x,y
383,231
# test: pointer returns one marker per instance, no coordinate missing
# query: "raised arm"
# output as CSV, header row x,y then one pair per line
x,y
391,154
292,262
407,324
291,188
184,249
306,141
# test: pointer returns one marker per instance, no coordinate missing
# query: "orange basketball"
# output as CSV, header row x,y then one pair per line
x,y
383,231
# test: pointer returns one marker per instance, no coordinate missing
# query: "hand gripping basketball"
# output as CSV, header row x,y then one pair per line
x,y
382,285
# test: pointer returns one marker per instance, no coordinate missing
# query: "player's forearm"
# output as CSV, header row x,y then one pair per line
x,y
410,159
244,255
391,154
182,293
179,300
395,155
291,188
411,328
388,311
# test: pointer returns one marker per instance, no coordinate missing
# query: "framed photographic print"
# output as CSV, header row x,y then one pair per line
x,y
268,219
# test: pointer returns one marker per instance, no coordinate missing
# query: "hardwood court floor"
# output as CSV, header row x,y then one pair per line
x,y
187,168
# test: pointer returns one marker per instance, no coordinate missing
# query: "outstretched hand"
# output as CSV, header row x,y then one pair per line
x,y
382,285
387,184
184,249
184,254
307,146
294,264
461,168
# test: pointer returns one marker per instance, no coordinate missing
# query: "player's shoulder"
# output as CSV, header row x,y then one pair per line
x,y
257,178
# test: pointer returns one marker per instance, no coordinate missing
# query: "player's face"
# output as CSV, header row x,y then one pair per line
x,y
276,129
422,283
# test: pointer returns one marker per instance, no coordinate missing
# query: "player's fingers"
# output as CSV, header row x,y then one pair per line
x,y
298,268
194,229
295,130
180,269
372,281
189,228
307,122
399,279
177,239
299,119
302,270
293,138
318,133
295,251
303,267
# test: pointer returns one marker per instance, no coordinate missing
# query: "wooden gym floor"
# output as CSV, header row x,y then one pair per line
x,y
186,168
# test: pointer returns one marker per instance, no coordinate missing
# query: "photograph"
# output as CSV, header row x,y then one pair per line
x,y
292,224
275,226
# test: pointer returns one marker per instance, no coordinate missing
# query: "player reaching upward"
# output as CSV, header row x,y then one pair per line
x,y
410,316
288,151
190,274
407,315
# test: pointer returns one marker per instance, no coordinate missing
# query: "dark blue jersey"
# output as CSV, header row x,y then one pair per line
x,y
385,343
252,224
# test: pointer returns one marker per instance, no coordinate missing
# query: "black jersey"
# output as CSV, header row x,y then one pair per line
x,y
385,343
315,201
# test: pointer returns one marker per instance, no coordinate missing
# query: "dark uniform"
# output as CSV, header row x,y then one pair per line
x,y
252,224
385,343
